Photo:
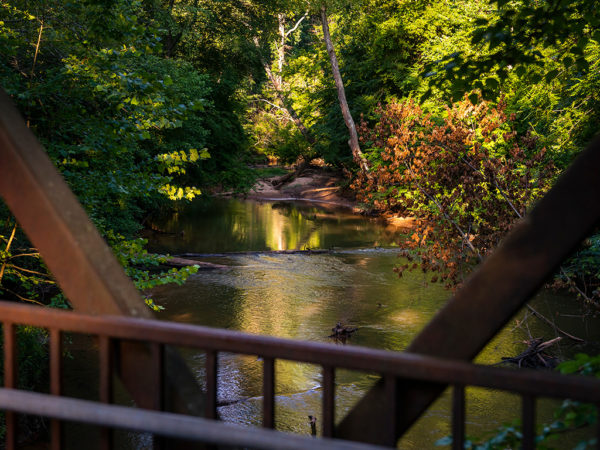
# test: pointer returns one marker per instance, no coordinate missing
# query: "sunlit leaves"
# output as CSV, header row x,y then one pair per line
x,y
147,269
178,192
521,34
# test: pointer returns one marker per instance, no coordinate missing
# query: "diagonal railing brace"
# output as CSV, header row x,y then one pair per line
x,y
79,259
526,259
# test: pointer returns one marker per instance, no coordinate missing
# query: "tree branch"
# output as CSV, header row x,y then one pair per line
x,y
297,24
37,48
553,325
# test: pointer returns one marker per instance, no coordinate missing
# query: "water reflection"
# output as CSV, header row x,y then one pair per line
x,y
232,225
302,296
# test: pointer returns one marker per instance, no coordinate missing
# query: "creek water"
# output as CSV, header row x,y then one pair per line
x,y
302,296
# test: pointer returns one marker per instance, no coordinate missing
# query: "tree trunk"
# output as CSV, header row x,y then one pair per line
x,y
275,81
359,158
281,48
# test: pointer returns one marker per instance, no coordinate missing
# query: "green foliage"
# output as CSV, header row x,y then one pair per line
x,y
127,128
144,268
518,36
581,272
583,364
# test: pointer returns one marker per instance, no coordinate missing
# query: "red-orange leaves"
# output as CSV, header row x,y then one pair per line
x,y
466,177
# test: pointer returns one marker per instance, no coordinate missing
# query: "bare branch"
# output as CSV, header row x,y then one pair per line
x,y
297,24
272,104
553,325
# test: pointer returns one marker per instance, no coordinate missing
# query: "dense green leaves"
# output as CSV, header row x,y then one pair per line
x,y
141,103
128,128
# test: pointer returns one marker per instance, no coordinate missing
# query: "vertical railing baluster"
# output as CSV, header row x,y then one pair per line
x,y
458,417
56,384
528,420
598,427
10,380
211,384
390,384
158,369
268,393
106,385
328,401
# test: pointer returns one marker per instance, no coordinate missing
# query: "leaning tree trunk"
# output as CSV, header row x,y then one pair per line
x,y
359,158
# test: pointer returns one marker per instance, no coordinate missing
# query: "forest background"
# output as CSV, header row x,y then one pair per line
x,y
466,111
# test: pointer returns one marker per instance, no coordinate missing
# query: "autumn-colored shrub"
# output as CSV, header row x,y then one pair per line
x,y
466,177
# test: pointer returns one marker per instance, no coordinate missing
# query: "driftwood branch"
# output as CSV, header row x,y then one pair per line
x,y
176,261
553,325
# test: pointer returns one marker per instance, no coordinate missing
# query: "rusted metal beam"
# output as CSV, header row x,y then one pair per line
x,y
165,424
525,260
83,265
79,259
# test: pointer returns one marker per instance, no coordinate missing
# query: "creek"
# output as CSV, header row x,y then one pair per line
x,y
302,296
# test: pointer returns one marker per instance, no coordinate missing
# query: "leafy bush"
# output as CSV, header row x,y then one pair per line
x,y
465,175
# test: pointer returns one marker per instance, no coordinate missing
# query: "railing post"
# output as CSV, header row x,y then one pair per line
x,y
56,384
528,420
390,386
211,384
158,371
268,393
458,417
106,385
10,379
328,401
598,426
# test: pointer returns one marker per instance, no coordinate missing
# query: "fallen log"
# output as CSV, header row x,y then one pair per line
x,y
255,252
279,182
176,261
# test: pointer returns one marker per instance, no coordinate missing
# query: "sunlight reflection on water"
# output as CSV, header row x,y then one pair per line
x,y
302,296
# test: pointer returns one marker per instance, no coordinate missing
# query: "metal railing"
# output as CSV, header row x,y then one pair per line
x,y
390,365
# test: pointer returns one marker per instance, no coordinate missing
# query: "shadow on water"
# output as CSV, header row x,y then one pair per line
x,y
302,296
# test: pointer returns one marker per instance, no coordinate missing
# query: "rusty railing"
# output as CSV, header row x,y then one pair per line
x,y
390,365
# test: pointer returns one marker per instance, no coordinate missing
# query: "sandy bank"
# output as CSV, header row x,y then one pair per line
x,y
321,186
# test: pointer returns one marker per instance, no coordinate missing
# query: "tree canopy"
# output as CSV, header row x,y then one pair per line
x,y
143,104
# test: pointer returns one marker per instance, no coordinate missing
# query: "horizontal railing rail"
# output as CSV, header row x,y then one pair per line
x,y
404,365
165,424
390,365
